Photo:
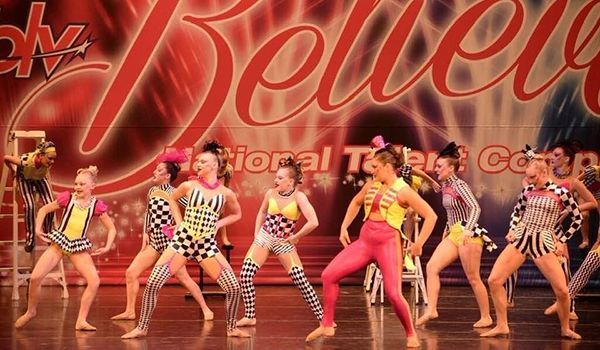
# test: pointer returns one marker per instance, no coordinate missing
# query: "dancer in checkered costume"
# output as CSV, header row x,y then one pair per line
x,y
385,201
70,240
158,233
274,232
463,239
194,238
533,225
31,171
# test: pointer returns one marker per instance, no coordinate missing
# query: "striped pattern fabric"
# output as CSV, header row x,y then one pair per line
x,y
158,214
272,243
582,276
28,189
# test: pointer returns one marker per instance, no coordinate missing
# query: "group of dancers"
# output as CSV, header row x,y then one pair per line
x,y
548,213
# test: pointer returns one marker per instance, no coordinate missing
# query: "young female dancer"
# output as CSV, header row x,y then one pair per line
x,y
195,238
532,232
281,208
463,237
157,221
385,200
70,240
32,171
591,180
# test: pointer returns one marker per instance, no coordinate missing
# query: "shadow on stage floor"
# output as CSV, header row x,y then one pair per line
x,y
284,320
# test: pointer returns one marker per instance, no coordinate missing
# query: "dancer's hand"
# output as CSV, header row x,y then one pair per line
x,y
436,186
416,249
100,251
293,239
344,237
510,236
42,235
466,236
559,249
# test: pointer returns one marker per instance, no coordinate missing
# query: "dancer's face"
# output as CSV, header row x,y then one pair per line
x,y
381,170
207,163
559,158
443,169
283,180
48,159
83,186
160,175
536,176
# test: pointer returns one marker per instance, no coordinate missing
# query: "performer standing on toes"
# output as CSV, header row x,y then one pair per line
x,y
532,230
385,201
70,240
463,237
32,172
274,232
195,238
157,224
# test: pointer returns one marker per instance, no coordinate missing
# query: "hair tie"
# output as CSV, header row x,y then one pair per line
x,y
529,152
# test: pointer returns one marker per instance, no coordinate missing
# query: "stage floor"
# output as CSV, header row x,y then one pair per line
x,y
284,321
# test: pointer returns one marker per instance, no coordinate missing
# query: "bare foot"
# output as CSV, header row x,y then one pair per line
x,y
238,333
24,319
427,317
584,245
570,334
483,322
84,326
496,331
127,315
573,316
135,333
550,309
320,332
246,322
412,342
208,315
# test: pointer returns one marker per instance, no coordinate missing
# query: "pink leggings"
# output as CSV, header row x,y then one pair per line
x,y
380,242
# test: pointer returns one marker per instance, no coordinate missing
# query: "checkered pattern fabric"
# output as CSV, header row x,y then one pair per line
x,y
200,221
158,240
230,285
582,276
159,213
185,244
539,209
479,231
272,243
249,269
278,225
591,180
68,246
308,292
158,277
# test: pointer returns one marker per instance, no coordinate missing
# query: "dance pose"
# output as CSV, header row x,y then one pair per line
x,y
195,238
385,201
463,238
70,240
32,172
533,229
281,208
562,159
157,223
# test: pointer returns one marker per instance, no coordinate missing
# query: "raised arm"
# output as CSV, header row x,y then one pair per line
x,y
434,184
12,162
588,202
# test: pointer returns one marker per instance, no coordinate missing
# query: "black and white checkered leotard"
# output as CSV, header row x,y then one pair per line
x,y
158,215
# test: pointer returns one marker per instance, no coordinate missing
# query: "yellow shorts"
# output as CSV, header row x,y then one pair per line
x,y
456,236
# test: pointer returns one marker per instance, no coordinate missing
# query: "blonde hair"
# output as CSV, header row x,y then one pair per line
x,y
91,170
539,163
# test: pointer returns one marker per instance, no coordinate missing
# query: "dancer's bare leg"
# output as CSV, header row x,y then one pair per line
x,y
46,263
84,264
142,261
184,278
508,262
470,258
445,253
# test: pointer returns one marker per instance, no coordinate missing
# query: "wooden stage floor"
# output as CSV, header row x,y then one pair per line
x,y
284,320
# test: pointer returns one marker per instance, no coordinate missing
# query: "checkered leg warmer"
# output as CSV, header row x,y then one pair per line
x,y
249,269
308,293
158,277
230,285
582,276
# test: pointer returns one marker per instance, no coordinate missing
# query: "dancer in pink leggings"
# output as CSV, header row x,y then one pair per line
x,y
385,200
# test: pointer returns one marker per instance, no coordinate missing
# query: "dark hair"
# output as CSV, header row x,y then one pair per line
x,y
45,145
570,148
173,169
294,167
452,153
388,155
219,151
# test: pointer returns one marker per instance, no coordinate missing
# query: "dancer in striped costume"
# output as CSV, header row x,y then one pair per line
x,y
195,238
463,238
32,173
157,234
70,240
532,231
281,208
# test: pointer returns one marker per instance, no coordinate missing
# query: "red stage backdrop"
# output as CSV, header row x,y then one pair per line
x,y
115,83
